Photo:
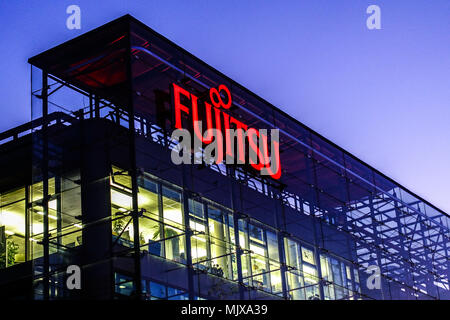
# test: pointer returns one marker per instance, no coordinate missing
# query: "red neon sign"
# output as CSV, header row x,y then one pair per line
x,y
221,100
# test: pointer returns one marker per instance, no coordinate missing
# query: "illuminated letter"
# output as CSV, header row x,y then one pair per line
x,y
216,99
198,144
178,106
231,135
226,121
197,130
255,156
274,170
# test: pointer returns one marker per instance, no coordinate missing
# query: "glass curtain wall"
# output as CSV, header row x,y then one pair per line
x,y
13,242
302,276
21,220
261,262
161,226
213,244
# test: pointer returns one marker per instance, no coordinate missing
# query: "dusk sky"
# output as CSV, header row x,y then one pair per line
x,y
383,95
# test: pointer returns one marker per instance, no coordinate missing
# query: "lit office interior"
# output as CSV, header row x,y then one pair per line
x,y
163,233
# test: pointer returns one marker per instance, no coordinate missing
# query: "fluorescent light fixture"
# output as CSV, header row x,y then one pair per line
x,y
52,204
173,215
197,226
50,216
257,250
15,222
143,200
120,199
199,238
123,200
198,253
309,271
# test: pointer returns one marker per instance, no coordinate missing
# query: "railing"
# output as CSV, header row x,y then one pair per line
x,y
27,128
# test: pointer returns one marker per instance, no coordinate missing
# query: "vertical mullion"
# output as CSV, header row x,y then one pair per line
x,y
133,171
46,265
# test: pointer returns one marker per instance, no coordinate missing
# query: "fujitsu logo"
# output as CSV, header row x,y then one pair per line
x,y
222,130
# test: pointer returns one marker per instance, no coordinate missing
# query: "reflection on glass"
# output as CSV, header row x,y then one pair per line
x,y
172,211
338,278
302,277
173,225
264,259
223,259
199,243
149,224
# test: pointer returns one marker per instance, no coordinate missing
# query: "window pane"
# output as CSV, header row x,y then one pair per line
x,y
157,290
172,211
12,228
220,246
308,255
196,208
148,199
272,244
174,244
150,228
199,243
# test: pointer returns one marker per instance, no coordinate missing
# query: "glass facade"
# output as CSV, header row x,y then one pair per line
x,y
105,195
12,228
21,221
213,247
213,244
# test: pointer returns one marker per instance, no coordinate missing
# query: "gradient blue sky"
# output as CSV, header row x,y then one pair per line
x,y
384,95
